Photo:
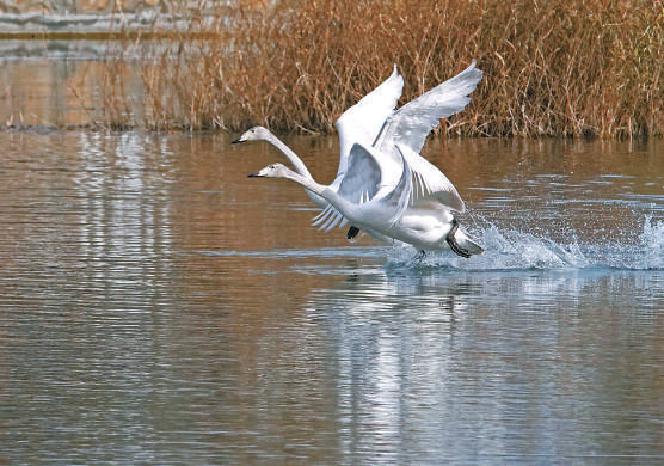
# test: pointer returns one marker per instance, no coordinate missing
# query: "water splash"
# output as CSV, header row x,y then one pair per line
x,y
517,250
652,243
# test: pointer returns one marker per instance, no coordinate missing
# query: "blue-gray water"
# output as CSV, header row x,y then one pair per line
x,y
158,307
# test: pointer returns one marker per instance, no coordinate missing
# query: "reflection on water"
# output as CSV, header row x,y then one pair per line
x,y
443,366
50,50
52,93
159,307
54,83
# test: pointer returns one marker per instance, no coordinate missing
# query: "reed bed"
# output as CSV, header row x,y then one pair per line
x,y
556,68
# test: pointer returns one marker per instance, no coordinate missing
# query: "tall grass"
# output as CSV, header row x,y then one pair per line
x,y
560,68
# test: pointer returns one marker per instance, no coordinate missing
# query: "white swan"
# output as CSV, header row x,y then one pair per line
x,y
411,211
360,123
407,127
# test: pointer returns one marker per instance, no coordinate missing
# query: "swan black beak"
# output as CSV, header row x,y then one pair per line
x,y
253,175
237,141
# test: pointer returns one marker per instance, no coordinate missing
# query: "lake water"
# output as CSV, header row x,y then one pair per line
x,y
158,307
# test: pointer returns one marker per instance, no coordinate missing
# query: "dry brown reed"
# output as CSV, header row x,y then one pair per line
x,y
559,68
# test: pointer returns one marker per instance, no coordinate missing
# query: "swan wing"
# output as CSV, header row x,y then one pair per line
x,y
329,218
399,198
410,125
430,185
362,181
360,184
363,121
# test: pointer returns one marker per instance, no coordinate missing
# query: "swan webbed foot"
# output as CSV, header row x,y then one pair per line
x,y
420,255
454,246
352,232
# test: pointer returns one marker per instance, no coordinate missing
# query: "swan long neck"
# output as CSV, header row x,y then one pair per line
x,y
292,157
323,191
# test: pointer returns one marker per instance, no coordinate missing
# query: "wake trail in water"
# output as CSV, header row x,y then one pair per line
x,y
517,250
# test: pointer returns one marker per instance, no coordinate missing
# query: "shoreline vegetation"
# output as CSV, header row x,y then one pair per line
x,y
563,69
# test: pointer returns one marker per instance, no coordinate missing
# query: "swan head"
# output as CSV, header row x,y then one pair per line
x,y
276,170
257,133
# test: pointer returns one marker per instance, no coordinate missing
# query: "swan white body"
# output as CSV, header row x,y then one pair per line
x,y
408,128
373,122
361,123
409,212
368,184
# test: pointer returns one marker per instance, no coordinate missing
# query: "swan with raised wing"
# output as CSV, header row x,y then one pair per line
x,y
360,123
372,122
410,211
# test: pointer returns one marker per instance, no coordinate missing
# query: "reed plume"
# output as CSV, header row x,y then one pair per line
x,y
557,68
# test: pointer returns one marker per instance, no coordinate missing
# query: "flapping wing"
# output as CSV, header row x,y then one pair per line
x,y
430,185
410,125
360,184
363,121
363,178
399,198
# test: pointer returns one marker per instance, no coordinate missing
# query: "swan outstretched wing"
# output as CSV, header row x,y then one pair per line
x,y
363,121
363,178
329,218
410,125
359,185
399,198
429,183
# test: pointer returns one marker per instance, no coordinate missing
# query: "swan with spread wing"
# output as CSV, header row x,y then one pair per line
x,y
361,123
413,210
373,122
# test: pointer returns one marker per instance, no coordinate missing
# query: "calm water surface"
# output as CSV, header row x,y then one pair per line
x,y
159,307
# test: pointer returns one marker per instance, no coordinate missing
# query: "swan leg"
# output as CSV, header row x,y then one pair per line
x,y
420,255
352,232
454,246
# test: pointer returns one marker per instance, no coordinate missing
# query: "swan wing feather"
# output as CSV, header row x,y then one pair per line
x,y
360,184
363,121
398,199
362,181
322,216
430,185
411,124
